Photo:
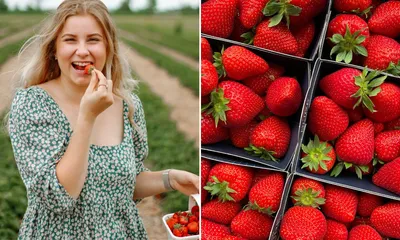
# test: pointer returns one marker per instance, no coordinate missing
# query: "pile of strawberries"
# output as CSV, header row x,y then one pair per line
x,y
238,202
331,212
279,25
356,121
183,224
367,39
246,99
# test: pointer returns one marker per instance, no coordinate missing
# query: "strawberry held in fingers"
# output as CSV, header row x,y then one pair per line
x,y
318,157
270,139
382,52
386,221
88,69
307,192
252,225
387,145
388,176
385,20
217,17
209,77
284,96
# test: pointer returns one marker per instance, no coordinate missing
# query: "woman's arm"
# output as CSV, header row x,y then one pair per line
x,y
151,183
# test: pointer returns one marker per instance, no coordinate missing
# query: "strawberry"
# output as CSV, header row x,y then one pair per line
x,y
252,225
385,20
239,63
259,174
229,182
277,38
205,169
270,139
264,114
303,223
209,77
393,125
205,99
238,31
217,17
284,96
209,132
233,238
318,157
88,69
388,176
387,104
364,232
349,88
304,36
361,221
367,203
386,219
240,136
382,51
378,128
220,212
211,230
326,119
265,196
260,84
355,114
340,204
349,35
335,230
206,50
356,144
251,13
387,145
352,5
307,192
234,104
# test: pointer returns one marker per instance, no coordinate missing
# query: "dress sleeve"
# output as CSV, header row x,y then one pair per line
x,y
38,145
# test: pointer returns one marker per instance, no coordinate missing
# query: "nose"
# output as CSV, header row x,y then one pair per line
x,y
82,50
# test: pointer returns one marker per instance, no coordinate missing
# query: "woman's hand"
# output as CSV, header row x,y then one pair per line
x,y
98,96
184,182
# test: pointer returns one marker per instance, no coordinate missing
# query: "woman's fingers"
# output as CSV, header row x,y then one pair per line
x,y
93,82
102,81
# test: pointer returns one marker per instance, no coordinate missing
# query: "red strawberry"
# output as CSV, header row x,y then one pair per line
x,y
386,219
361,221
364,232
326,119
367,203
381,52
206,51
209,77
385,20
205,169
378,128
265,196
277,38
270,139
88,69
388,176
393,125
355,114
318,157
217,17
220,212
348,88
284,96
387,104
349,35
234,104
387,145
335,230
259,174
239,63
229,182
356,144
340,204
303,223
260,84
209,133
233,238
252,225
240,136
304,36
307,192
211,230
251,13
238,31
351,5
264,114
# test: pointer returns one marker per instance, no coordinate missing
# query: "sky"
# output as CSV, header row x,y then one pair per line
x,y
111,4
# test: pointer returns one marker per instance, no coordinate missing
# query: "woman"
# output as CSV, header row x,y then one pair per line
x,y
80,140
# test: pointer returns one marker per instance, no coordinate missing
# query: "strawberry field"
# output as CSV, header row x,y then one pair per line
x,y
309,92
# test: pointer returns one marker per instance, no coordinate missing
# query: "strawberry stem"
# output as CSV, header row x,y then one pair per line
x,y
308,197
218,64
220,189
261,152
316,154
279,9
255,206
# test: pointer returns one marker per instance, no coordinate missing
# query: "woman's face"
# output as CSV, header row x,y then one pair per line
x,y
80,42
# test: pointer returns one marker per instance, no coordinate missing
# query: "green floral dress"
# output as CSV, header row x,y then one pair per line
x,y
40,134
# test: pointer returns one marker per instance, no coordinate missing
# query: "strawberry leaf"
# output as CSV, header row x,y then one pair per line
x,y
358,172
337,169
249,37
261,152
393,68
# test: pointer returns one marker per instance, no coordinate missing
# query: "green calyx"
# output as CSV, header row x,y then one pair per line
x,y
279,9
348,44
369,87
365,13
217,106
249,37
317,153
359,169
255,206
220,189
218,63
393,68
308,197
261,153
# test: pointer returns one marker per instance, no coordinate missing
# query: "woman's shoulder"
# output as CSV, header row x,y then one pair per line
x,y
25,95
27,101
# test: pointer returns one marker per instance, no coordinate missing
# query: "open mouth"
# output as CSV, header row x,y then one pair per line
x,y
80,65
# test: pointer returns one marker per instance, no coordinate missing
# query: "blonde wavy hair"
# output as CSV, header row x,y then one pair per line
x,y
42,66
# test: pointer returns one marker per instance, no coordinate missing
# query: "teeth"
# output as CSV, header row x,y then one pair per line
x,y
81,64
